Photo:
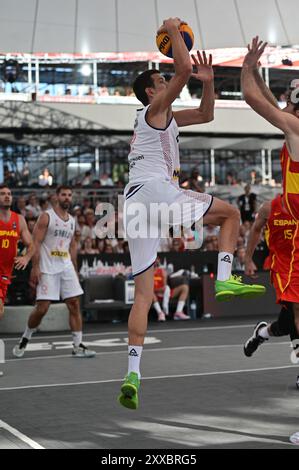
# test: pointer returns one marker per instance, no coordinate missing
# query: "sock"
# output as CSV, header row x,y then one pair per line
x,y
264,333
166,297
134,359
225,261
157,307
180,306
28,332
77,338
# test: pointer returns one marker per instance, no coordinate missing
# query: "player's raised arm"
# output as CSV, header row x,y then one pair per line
x,y
182,66
254,95
205,112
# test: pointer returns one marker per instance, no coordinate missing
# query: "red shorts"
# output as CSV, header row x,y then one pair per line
x,y
291,293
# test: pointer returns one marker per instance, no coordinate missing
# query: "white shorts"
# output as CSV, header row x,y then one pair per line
x,y
140,201
58,286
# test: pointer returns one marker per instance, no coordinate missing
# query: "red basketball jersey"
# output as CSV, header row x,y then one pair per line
x,y
283,245
290,180
9,236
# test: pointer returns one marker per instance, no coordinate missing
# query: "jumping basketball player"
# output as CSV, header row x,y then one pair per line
x,y
154,170
259,97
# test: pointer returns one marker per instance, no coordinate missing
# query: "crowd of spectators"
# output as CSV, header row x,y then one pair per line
x,y
88,242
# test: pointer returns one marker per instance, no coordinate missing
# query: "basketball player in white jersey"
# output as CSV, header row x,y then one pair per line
x,y
154,170
54,271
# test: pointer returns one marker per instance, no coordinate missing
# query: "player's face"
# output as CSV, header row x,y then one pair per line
x,y
5,198
64,199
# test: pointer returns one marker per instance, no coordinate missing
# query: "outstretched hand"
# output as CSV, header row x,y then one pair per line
x,y
255,51
204,69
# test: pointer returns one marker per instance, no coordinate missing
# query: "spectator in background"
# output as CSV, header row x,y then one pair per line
x,y
177,245
52,199
247,204
33,205
195,181
86,205
82,227
45,179
210,230
106,180
239,259
20,206
44,205
68,91
87,248
230,179
86,181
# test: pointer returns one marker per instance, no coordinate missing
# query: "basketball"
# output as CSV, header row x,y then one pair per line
x,y
164,42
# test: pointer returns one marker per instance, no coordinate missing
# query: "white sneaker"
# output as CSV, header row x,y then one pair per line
x,y
19,349
1,373
161,316
82,351
181,316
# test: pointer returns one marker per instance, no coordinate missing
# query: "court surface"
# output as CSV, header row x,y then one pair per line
x,y
198,390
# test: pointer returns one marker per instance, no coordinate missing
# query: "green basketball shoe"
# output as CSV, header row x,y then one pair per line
x,y
234,287
129,391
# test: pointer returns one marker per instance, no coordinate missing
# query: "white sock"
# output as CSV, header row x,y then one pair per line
x,y
157,307
264,333
134,359
180,306
28,332
166,297
77,338
225,261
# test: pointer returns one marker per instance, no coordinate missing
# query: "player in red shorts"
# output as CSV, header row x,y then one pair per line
x,y
260,98
282,236
162,291
13,227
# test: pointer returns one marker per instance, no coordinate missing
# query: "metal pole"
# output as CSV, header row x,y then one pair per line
x,y
29,73
36,75
95,77
263,166
269,155
97,161
212,161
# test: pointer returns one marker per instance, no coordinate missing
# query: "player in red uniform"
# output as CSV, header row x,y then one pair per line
x,y
260,98
13,227
163,291
283,241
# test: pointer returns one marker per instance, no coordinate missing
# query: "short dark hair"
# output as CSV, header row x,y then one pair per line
x,y
143,81
3,185
63,186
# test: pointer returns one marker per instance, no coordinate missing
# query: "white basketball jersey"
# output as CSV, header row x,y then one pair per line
x,y
54,251
154,152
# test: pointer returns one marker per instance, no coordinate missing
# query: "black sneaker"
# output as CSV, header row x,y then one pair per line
x,y
255,340
297,382
19,349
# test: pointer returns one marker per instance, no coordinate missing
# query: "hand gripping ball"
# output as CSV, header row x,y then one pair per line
x,y
164,42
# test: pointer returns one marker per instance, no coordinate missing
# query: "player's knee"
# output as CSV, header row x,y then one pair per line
x,y
41,310
185,289
73,305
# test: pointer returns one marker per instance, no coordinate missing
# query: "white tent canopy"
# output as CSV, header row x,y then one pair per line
x,y
87,26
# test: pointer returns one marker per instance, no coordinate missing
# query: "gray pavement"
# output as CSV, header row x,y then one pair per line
x,y
198,391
